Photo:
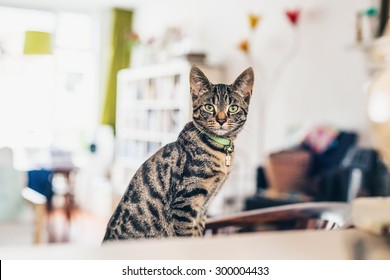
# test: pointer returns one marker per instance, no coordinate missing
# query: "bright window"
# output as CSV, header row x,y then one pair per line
x,y
46,101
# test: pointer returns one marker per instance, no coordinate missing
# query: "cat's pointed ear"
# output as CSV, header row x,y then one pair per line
x,y
199,84
243,85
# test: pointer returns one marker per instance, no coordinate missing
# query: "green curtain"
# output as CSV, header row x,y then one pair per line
x,y
119,59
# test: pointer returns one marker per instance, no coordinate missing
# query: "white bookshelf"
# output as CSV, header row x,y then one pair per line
x,y
153,105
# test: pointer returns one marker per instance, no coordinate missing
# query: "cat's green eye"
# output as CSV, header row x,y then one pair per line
x,y
209,108
233,108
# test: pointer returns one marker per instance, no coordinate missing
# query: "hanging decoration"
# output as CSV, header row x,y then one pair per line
x,y
244,46
267,82
293,16
254,20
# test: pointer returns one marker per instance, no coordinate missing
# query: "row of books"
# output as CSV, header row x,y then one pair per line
x,y
165,88
138,150
166,121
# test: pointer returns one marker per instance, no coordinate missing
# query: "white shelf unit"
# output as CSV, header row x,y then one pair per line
x,y
153,105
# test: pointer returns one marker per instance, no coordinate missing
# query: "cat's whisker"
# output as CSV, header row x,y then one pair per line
x,y
247,131
251,130
249,125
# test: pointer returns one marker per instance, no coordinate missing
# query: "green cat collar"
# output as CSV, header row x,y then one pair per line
x,y
227,144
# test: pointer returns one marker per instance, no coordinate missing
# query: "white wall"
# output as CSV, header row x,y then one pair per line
x,y
322,84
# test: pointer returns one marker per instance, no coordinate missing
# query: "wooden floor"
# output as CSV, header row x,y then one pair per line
x,y
82,228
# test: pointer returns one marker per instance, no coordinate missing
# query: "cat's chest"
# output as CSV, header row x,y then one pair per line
x,y
209,164
225,163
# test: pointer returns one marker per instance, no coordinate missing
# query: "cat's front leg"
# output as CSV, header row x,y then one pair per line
x,y
201,225
184,224
187,217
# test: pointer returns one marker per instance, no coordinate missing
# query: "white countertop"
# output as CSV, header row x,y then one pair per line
x,y
305,244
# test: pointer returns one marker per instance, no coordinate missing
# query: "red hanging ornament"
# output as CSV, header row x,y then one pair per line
x,y
293,16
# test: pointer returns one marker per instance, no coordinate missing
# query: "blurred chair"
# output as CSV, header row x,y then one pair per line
x,y
42,186
38,202
38,193
310,215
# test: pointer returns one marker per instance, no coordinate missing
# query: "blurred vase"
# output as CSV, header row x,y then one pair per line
x,y
142,55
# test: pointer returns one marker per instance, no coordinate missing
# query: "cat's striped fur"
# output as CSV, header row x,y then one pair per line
x,y
170,193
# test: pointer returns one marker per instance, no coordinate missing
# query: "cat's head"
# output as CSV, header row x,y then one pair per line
x,y
220,109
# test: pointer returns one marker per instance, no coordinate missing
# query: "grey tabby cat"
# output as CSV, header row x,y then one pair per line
x,y
170,193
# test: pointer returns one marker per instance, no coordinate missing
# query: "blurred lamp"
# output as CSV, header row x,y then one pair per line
x,y
36,42
378,108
